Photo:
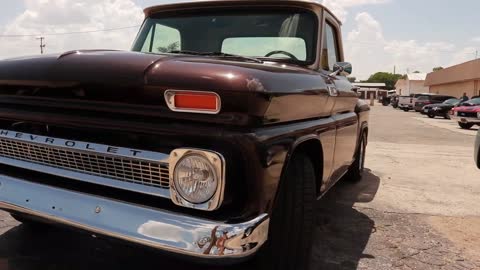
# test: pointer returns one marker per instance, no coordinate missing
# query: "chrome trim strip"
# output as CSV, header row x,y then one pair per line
x,y
90,178
170,95
159,229
129,169
217,161
86,147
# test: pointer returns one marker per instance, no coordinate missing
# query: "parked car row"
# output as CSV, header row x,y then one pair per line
x,y
466,113
418,101
440,109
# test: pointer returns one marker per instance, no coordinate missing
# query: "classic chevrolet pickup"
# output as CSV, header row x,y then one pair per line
x,y
212,139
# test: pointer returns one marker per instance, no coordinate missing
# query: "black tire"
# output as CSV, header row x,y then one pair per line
x,y
465,125
355,172
431,115
446,116
291,227
405,110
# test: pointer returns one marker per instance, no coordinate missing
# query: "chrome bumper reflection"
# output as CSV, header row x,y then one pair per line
x,y
155,228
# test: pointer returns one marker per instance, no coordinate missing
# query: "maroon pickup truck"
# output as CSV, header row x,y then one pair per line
x,y
212,139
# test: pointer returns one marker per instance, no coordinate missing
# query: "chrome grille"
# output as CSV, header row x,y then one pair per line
x,y
143,172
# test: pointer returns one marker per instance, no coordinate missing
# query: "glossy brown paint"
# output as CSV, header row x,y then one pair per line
x,y
269,110
127,78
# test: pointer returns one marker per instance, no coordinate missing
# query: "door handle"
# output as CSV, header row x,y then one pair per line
x,y
333,91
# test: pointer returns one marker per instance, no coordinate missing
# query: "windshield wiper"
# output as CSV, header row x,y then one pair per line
x,y
218,54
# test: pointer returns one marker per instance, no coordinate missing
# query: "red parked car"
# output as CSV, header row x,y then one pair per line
x,y
468,114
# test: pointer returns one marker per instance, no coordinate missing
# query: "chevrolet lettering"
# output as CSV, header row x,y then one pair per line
x,y
78,145
213,138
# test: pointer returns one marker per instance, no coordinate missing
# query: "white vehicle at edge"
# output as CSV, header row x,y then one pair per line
x,y
407,103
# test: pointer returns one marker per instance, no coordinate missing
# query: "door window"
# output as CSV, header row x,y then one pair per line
x,y
330,52
162,39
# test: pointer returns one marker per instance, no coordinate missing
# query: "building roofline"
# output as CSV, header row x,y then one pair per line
x,y
466,71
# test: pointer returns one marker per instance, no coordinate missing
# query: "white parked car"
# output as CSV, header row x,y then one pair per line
x,y
407,103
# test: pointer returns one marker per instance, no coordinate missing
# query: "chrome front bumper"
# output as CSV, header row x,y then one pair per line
x,y
463,119
159,229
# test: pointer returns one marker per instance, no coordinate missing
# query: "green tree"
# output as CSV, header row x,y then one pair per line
x,y
437,68
416,71
384,77
170,47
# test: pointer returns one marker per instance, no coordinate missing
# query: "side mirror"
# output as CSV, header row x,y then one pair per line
x,y
342,68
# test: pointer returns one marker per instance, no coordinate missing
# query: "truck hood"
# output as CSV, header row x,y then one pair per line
x,y
121,83
102,67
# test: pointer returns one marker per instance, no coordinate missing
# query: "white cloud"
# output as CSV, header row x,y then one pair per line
x,y
339,7
59,16
365,46
369,51
463,55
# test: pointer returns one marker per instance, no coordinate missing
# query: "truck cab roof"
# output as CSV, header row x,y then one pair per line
x,y
308,4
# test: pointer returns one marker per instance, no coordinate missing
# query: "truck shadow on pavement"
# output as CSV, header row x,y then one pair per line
x,y
342,232
340,237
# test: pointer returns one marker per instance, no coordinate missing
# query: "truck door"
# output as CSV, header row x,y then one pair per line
x,y
345,100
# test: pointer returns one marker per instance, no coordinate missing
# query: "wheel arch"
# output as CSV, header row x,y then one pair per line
x,y
313,149
363,129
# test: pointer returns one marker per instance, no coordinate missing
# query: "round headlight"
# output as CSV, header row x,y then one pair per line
x,y
195,179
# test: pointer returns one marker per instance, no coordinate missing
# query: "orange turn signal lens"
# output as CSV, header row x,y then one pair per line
x,y
193,101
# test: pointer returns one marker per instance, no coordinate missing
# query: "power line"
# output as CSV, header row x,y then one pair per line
x,y
70,33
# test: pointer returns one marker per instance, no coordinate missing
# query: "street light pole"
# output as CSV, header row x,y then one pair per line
x,y
42,45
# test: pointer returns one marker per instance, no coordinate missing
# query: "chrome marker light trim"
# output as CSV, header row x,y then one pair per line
x,y
164,230
170,100
217,161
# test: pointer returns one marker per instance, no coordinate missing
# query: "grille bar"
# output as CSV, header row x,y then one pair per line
x,y
75,156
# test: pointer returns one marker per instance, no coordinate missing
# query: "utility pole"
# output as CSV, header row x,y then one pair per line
x,y
394,70
42,45
476,55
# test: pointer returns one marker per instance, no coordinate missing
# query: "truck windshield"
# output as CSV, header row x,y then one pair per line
x,y
269,35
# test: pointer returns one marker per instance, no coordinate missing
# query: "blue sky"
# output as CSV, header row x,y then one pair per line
x,y
425,20
378,34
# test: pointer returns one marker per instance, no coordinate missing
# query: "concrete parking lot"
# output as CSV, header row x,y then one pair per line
x,y
418,207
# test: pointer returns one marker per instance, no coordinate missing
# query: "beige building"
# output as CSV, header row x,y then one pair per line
x,y
456,80
413,84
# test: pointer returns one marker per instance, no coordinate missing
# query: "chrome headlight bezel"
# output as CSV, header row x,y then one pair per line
x,y
217,162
